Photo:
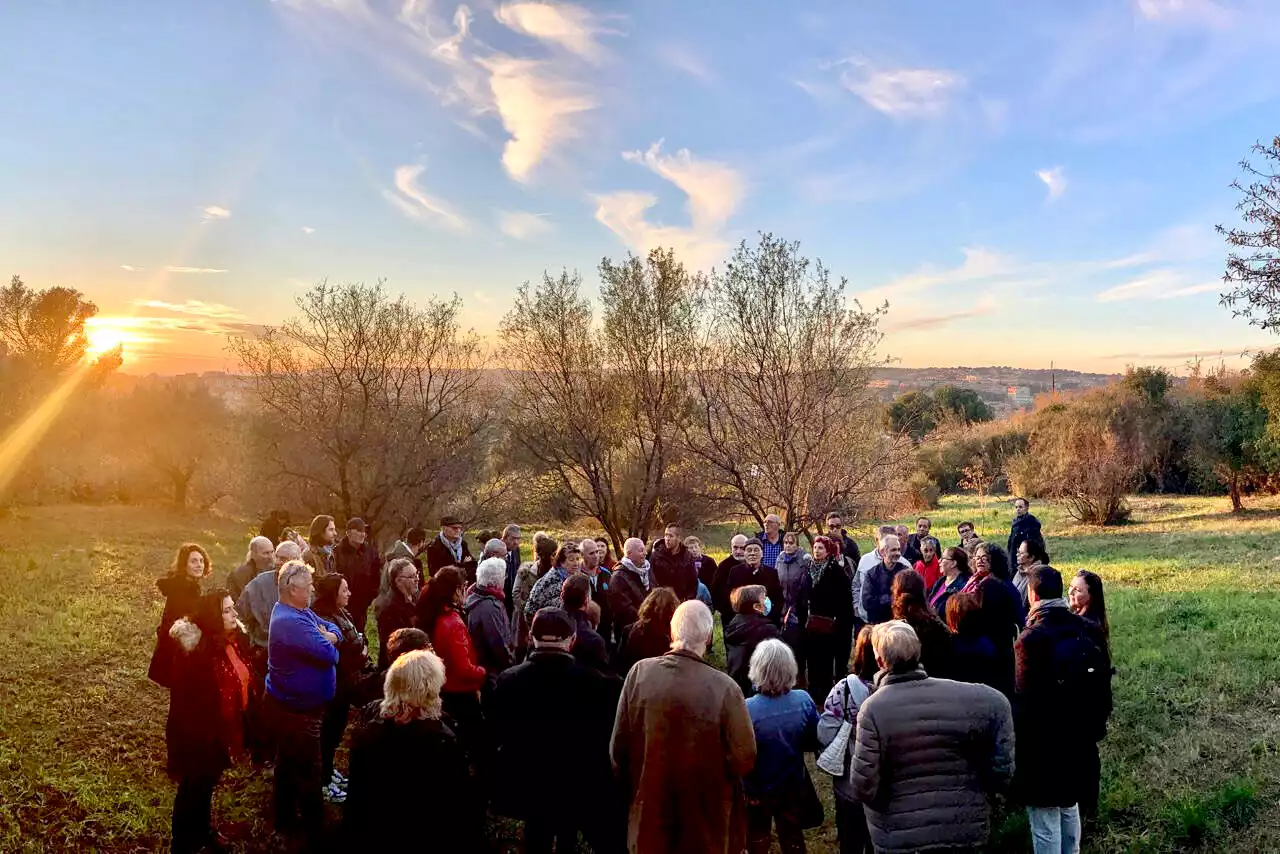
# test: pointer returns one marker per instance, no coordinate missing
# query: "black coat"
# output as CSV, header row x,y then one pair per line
x,y
1054,744
635,645
742,575
588,646
832,596
719,588
974,660
198,740
1024,528
180,595
877,592
674,569
1001,618
947,591
937,653
361,566
353,651
398,613
626,595
423,761
439,556
744,634
529,709
849,548
706,567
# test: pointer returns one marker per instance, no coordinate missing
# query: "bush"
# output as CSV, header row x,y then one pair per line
x,y
922,492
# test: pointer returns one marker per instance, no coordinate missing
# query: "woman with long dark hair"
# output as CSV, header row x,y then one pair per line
x,y
954,563
935,638
829,627
1088,599
208,697
650,635
973,653
1002,614
180,587
440,616
395,607
332,597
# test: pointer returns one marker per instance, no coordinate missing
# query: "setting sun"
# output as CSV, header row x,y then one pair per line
x,y
103,339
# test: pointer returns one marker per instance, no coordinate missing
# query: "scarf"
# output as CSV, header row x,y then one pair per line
x,y
1047,603
817,568
975,580
642,571
455,550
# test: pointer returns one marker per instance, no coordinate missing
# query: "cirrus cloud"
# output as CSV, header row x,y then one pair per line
x,y
1055,180
901,92
212,212
416,203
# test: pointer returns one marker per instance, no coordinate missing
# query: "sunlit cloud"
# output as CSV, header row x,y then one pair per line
x,y
213,212
901,92
714,191
129,268
306,229
198,270
194,306
414,202
980,265
1159,284
538,109
522,225
1055,180
912,322
571,27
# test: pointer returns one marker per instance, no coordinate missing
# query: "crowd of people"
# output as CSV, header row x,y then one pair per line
x,y
575,692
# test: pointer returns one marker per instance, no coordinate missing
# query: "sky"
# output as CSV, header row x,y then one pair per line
x,y
1023,183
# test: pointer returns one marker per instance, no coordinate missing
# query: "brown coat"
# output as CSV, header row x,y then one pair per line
x,y
682,741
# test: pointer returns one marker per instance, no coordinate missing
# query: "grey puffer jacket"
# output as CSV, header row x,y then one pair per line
x,y
928,754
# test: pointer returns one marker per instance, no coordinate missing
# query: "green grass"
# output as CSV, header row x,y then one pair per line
x,y
1192,761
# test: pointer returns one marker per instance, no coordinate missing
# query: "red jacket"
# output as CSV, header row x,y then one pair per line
x,y
930,572
450,640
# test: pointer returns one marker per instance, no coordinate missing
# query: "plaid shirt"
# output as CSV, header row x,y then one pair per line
x,y
771,550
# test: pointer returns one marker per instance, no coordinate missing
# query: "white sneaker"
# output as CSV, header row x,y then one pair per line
x,y
333,795
339,780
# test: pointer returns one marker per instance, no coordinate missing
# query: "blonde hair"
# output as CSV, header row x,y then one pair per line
x,y
411,689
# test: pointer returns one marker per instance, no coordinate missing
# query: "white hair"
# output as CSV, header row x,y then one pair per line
x,y
495,546
890,539
491,573
773,668
248,555
896,644
691,627
290,573
736,538
288,550
631,543
511,531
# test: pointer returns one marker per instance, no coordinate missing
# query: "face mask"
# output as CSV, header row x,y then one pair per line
x,y
768,606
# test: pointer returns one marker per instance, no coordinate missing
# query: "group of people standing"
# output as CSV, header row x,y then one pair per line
x,y
498,684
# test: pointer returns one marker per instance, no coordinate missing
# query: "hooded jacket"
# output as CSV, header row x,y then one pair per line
x,y
489,629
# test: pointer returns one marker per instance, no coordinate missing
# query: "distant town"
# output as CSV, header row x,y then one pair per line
x,y
1005,389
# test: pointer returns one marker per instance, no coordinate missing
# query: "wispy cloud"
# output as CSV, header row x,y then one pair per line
x,y
1055,180
901,92
541,103
563,24
979,265
306,229
198,270
1185,11
682,58
214,310
129,268
416,203
1233,351
213,212
522,225
713,191
1161,284
986,304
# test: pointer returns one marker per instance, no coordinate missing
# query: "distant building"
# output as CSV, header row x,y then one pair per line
x,y
1020,396
879,383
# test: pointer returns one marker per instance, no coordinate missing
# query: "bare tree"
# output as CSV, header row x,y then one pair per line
x,y
596,409
367,405
783,419
1254,273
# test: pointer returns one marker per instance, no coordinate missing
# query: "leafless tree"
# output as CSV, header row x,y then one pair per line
x,y
596,408
367,405
1253,265
783,419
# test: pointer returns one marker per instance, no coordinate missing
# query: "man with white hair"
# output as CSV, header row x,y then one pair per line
x,y
629,585
870,561
592,553
495,548
302,659
877,587
255,604
929,752
720,583
682,741
486,614
259,559
771,539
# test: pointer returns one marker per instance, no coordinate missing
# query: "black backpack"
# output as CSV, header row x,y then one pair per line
x,y
1083,676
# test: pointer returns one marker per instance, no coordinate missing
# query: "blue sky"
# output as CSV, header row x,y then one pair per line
x,y
1022,182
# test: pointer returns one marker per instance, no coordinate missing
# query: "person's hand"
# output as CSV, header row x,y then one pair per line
x,y
329,636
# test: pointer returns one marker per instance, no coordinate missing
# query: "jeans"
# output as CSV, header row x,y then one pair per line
x,y
851,826
192,813
331,730
1055,830
297,778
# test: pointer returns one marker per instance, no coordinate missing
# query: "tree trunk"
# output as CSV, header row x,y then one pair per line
x,y
1236,505
180,484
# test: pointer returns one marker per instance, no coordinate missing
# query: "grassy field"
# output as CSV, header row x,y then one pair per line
x,y
1192,761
